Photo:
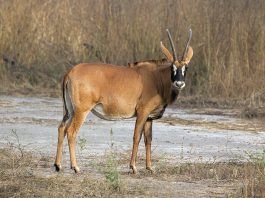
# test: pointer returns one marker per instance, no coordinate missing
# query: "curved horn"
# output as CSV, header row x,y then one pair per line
x,y
166,52
172,46
187,45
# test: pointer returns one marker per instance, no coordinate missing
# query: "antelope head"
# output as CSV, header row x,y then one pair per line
x,y
178,67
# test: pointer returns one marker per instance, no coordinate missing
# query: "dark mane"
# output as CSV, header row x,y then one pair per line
x,y
156,62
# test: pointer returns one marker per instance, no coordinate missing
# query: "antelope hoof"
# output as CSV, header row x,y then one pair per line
x,y
150,169
133,169
58,167
76,169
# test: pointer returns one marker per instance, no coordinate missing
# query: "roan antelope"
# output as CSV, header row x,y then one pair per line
x,y
142,90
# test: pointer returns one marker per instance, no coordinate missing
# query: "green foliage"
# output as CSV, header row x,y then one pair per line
x,y
111,171
82,143
111,167
257,158
262,160
161,163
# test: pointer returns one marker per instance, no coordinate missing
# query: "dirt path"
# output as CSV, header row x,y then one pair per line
x,y
182,136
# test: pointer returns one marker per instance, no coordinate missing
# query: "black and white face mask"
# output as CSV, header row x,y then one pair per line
x,y
178,75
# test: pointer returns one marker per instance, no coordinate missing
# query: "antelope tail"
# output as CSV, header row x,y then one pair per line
x,y
68,107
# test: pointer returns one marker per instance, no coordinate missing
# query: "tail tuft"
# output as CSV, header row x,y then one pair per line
x,y
65,117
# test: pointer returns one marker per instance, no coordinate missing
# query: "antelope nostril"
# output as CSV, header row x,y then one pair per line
x,y
179,84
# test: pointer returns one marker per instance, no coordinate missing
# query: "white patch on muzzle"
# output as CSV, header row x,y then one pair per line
x,y
179,84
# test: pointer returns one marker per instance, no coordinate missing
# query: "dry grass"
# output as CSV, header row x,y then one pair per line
x,y
241,108
249,125
29,175
24,178
253,112
40,40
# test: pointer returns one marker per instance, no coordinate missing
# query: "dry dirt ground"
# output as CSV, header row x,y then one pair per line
x,y
29,175
196,153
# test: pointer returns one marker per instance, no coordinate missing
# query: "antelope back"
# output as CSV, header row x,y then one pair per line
x,y
117,88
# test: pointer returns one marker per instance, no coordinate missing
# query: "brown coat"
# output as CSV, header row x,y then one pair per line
x,y
142,90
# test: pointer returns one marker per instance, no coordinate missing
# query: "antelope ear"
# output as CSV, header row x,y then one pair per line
x,y
188,55
166,52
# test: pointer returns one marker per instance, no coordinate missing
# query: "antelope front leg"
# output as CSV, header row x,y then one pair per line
x,y
136,139
147,141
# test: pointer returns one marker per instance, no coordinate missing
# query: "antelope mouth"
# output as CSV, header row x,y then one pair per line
x,y
179,85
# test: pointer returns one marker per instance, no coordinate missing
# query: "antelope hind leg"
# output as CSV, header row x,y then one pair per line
x,y
61,135
72,130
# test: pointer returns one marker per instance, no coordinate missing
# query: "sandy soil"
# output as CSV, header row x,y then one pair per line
x,y
183,135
